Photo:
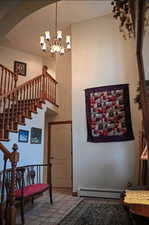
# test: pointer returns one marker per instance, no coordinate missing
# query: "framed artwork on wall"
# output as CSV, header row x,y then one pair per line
x,y
20,68
23,136
36,134
108,114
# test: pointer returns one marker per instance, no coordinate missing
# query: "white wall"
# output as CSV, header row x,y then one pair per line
x,y
101,57
34,62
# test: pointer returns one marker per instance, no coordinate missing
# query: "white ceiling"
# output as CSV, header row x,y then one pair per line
x,y
25,35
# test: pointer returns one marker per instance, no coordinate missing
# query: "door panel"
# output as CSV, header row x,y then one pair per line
x,y
60,155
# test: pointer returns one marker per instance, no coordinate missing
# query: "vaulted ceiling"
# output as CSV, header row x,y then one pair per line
x,y
25,34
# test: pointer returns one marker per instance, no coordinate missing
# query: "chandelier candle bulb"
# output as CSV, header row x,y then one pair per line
x,y
44,47
42,40
69,46
47,34
59,34
62,51
68,39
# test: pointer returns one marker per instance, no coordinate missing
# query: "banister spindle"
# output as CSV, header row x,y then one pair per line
x,y
8,81
1,81
3,117
5,81
16,106
8,113
12,110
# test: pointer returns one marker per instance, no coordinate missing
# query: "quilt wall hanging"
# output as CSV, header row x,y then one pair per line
x,y
108,114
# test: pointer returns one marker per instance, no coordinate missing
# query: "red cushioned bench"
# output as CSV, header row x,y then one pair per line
x,y
30,183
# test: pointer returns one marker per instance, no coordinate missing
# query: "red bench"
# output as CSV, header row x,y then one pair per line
x,y
29,183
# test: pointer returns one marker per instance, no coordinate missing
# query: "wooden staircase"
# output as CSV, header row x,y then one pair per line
x,y
19,102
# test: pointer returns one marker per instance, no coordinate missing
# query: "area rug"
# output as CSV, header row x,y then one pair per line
x,y
98,213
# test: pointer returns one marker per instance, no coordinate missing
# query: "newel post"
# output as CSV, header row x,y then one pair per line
x,y
11,213
44,74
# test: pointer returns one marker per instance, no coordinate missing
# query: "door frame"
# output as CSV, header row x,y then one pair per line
x,y
50,124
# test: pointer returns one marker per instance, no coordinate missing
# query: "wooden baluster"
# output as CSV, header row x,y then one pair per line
x,y
11,210
20,111
12,118
50,89
46,86
8,81
40,88
27,103
23,102
12,83
16,106
3,117
8,113
54,92
30,97
1,81
35,85
5,81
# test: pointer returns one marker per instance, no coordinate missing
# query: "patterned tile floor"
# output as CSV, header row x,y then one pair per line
x,y
43,213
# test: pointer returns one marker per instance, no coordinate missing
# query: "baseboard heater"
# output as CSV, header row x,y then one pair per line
x,y
102,193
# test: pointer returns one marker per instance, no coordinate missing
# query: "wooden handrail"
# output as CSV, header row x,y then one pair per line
x,y
13,73
26,83
7,154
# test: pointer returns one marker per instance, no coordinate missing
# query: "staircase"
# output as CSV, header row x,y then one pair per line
x,y
16,104
19,102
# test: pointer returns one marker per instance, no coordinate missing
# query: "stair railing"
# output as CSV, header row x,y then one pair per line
x,y
8,217
18,104
8,80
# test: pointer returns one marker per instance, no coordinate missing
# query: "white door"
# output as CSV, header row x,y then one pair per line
x,y
60,155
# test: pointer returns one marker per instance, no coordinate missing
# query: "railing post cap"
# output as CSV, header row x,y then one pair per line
x,y
15,147
44,69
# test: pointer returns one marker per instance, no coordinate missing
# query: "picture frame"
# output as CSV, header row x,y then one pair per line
x,y
20,68
108,115
23,136
36,135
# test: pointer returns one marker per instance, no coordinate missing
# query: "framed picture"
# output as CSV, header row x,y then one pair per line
x,y
20,68
36,135
23,136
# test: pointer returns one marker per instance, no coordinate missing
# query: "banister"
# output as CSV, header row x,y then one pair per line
x,y
25,83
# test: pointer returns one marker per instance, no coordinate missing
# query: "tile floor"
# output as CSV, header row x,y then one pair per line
x,y
43,213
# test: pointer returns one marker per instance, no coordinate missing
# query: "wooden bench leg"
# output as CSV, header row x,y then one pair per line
x,y
22,211
50,194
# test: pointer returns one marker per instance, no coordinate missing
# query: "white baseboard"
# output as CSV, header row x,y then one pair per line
x,y
102,193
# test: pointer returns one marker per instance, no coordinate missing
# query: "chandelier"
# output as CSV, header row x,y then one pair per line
x,y
122,12
55,44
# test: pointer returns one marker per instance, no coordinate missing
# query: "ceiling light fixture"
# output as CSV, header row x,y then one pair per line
x,y
56,44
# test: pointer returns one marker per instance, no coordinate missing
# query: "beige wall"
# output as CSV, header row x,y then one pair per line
x,y
63,76
34,62
101,57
